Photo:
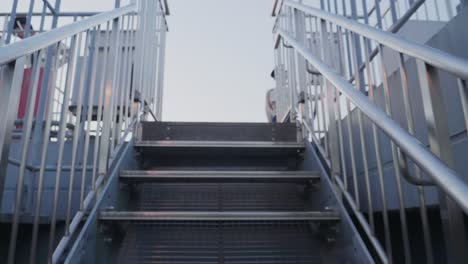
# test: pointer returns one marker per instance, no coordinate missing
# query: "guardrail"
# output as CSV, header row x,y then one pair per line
x,y
100,76
317,54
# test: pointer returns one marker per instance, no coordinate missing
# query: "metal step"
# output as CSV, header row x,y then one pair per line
x,y
217,132
217,144
219,176
219,216
220,242
216,150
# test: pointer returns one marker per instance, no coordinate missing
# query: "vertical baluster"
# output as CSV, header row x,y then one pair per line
x,y
292,72
301,64
448,6
45,144
360,83
77,130
161,68
463,91
99,117
11,23
439,141
378,158
116,88
106,143
128,73
61,139
340,68
132,80
388,110
88,111
322,113
26,139
348,115
9,102
378,13
404,169
123,81
393,11
331,101
436,7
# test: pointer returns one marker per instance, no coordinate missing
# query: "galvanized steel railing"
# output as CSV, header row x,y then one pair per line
x,y
89,83
326,69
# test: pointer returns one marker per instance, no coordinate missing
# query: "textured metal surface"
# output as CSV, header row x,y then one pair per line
x,y
222,197
218,216
184,149
184,131
221,176
217,144
219,242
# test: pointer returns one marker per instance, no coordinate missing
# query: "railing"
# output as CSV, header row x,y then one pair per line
x,y
88,84
385,13
324,68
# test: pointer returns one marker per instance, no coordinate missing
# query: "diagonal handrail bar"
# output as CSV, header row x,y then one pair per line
x,y
432,56
37,42
446,178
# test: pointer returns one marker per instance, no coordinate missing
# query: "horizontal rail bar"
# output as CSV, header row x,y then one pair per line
x,y
61,14
432,56
219,216
37,42
446,178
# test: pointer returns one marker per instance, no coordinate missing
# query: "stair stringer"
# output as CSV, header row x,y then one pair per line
x,y
347,245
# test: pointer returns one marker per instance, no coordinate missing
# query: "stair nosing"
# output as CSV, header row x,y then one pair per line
x,y
219,216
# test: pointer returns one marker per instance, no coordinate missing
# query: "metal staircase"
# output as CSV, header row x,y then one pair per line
x,y
368,163
219,216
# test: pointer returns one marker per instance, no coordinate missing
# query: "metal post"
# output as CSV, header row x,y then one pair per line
x,y
331,100
439,141
8,109
300,65
110,87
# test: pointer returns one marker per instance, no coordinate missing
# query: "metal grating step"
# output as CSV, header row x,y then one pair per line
x,y
217,149
222,197
219,242
218,176
218,216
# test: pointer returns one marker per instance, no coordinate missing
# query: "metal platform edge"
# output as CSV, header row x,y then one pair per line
x,y
218,144
222,176
219,216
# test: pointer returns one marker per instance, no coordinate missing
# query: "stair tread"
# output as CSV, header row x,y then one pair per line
x,y
218,216
220,242
190,176
218,144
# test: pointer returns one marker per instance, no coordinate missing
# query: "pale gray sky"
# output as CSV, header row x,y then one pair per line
x,y
219,57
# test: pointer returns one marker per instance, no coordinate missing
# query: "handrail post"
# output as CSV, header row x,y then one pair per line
x,y
439,140
292,81
299,24
331,98
108,106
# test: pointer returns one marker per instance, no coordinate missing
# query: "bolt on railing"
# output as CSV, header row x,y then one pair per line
x,y
349,114
80,88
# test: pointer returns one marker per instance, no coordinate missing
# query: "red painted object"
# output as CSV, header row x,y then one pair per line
x,y
27,79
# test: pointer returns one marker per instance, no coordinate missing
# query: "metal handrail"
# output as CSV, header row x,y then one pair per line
x,y
432,56
61,14
447,179
37,42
